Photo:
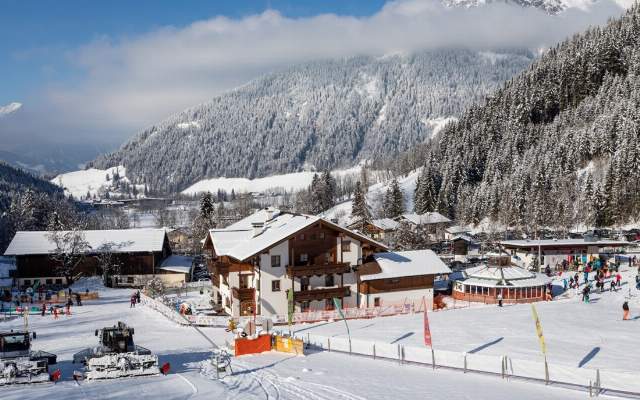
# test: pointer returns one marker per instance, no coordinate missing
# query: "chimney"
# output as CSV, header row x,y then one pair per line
x,y
258,228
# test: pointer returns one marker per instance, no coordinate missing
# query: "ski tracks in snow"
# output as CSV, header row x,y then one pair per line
x,y
275,387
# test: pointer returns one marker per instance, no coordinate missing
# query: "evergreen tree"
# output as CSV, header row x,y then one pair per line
x,y
360,213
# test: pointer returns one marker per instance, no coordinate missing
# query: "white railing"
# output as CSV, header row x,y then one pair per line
x,y
597,381
173,315
349,313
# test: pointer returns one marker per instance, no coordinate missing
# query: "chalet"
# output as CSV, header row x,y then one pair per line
x,y
378,229
255,262
455,231
554,251
139,253
434,223
399,277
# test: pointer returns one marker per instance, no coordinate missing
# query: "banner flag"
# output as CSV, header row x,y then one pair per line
x,y
427,330
291,308
338,304
543,345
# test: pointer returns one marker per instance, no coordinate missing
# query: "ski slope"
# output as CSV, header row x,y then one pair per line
x,y
92,180
317,376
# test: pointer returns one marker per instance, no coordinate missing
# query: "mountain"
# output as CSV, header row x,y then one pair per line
x,y
556,146
549,6
319,115
14,181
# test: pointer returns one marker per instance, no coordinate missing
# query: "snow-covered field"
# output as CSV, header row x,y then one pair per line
x,y
577,334
319,375
289,182
92,180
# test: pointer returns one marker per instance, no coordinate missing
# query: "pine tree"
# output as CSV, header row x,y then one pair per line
x,y
206,207
360,213
394,200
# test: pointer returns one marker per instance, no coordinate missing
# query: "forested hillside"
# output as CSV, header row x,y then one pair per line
x,y
323,114
558,145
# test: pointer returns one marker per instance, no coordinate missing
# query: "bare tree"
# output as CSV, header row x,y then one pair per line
x,y
109,261
71,249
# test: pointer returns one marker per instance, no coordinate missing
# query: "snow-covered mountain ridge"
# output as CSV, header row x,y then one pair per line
x,y
322,115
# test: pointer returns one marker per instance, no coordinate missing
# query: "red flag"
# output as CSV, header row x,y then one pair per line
x,y
55,376
427,331
165,368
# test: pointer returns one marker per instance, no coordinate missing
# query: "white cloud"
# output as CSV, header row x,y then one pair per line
x,y
126,84
9,108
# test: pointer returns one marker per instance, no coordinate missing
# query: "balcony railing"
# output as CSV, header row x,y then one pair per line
x,y
216,267
318,269
243,294
321,294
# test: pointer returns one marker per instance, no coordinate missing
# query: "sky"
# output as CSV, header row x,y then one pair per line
x,y
99,72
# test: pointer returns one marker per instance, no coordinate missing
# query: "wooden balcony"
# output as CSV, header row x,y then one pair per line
x,y
317,269
243,294
217,267
321,294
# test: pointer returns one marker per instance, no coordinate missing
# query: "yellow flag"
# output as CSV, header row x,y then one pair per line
x,y
543,345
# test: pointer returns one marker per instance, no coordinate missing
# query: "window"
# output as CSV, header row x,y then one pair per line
x,y
376,301
304,306
129,279
59,281
328,280
49,281
313,236
27,282
275,286
304,257
275,261
346,246
321,235
304,283
393,281
301,237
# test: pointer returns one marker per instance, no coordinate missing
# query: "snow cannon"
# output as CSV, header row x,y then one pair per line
x,y
116,355
18,363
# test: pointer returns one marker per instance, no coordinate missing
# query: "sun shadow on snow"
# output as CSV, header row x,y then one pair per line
x,y
183,362
484,346
406,335
589,357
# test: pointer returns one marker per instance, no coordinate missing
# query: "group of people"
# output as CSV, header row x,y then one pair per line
x,y
53,309
135,298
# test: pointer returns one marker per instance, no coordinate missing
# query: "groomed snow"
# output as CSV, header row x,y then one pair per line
x,y
319,375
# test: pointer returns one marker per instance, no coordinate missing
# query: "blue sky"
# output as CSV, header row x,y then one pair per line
x,y
36,35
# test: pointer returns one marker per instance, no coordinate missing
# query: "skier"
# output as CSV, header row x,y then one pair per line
x,y
133,301
638,282
618,280
571,282
585,293
69,304
612,288
138,296
44,309
499,297
55,312
625,311
564,284
78,299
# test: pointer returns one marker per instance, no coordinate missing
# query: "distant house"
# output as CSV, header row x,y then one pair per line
x,y
399,278
378,229
434,223
139,252
554,251
455,231
180,239
255,262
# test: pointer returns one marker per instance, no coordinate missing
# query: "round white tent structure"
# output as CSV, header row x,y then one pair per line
x,y
517,285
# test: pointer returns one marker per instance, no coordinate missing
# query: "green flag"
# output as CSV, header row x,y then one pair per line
x,y
338,304
290,300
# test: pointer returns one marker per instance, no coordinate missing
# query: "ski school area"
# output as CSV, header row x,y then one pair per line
x,y
494,352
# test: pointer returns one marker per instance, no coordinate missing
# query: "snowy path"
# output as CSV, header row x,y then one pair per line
x,y
273,376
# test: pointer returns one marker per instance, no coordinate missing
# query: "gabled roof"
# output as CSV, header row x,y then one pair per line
x,y
386,224
407,263
254,234
424,219
457,229
120,240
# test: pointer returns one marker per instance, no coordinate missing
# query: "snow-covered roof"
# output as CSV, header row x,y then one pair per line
x,y
175,263
386,224
425,219
457,229
466,238
505,276
563,242
255,233
119,241
407,263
